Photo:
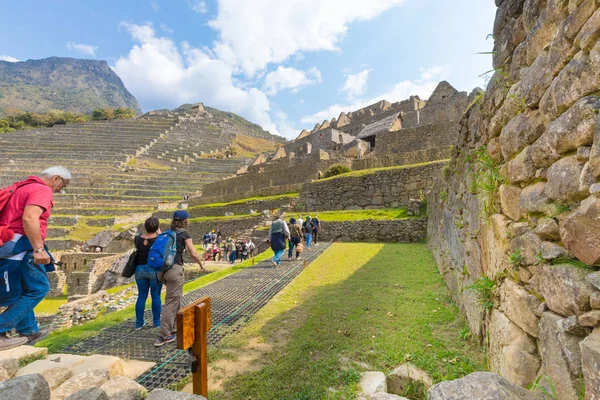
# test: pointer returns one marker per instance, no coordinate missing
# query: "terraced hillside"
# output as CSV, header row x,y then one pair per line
x,y
125,167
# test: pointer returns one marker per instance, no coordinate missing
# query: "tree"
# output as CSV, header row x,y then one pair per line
x,y
109,113
98,114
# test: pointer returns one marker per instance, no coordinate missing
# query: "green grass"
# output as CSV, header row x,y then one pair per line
x,y
58,340
117,289
381,304
242,201
364,172
50,305
358,215
221,218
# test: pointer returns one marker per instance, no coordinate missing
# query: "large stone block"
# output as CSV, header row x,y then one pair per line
x,y
509,201
54,373
561,356
519,306
528,244
563,181
547,229
27,387
589,33
88,379
522,130
123,388
372,382
520,169
405,376
579,231
564,288
534,199
512,351
164,394
590,359
480,385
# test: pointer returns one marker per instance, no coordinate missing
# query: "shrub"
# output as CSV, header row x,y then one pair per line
x,y
336,169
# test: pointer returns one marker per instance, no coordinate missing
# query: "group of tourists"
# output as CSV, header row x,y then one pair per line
x,y
231,250
295,234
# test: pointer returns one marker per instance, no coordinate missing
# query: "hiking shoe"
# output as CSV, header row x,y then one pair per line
x,y
160,341
140,327
35,337
10,343
275,265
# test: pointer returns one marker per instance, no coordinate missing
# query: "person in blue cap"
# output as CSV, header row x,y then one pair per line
x,y
174,278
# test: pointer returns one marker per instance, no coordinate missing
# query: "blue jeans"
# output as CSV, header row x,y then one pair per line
x,y
145,278
232,256
308,237
277,257
34,285
293,242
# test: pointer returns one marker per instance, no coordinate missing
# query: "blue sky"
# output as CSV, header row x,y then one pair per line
x,y
284,64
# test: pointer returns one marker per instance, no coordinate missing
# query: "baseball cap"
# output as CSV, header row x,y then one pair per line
x,y
181,215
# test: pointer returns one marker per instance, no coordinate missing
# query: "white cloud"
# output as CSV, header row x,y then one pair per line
x,y
290,78
163,74
281,29
8,58
198,6
356,84
285,128
422,87
86,49
165,28
154,6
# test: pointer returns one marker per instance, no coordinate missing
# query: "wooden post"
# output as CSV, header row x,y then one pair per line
x,y
252,260
193,324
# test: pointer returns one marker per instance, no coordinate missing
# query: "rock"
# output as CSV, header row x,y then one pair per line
x,y
534,199
480,385
594,279
164,394
509,201
94,377
579,231
589,33
563,181
595,300
561,357
520,169
547,229
386,396
571,325
4,375
513,352
522,130
590,360
590,319
541,309
88,394
10,365
67,359
24,352
27,387
102,239
123,388
595,189
552,251
518,229
518,306
564,288
583,153
372,382
54,373
528,244
111,364
405,376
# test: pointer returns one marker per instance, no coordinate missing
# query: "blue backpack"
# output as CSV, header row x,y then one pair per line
x,y
162,253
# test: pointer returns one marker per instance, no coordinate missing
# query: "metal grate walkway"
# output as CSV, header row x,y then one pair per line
x,y
234,299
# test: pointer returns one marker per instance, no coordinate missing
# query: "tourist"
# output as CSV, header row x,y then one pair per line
x,y
278,233
26,215
316,229
300,221
295,238
233,251
174,278
215,251
205,240
307,228
145,277
251,248
213,237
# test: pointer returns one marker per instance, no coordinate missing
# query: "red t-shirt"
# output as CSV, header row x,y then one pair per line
x,y
37,194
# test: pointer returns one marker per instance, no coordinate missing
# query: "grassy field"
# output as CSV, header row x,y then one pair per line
x,y
242,201
357,215
50,305
381,304
363,172
58,340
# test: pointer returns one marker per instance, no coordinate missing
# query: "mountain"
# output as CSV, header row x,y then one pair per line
x,y
62,83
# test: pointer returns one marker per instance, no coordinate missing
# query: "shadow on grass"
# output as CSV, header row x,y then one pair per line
x,y
395,307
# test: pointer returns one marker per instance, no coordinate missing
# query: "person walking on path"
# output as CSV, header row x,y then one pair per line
x,y
307,228
24,256
174,278
145,277
295,238
316,229
277,234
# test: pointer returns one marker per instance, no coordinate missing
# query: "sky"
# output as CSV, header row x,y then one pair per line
x,y
283,64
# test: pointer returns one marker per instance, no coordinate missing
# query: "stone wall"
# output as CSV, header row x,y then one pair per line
x,y
394,231
227,226
269,191
422,137
511,214
408,158
392,187
248,207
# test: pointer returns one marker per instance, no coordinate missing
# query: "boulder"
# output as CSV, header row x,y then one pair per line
x,y
164,394
528,244
590,319
111,364
372,382
102,239
480,385
590,360
594,279
522,130
564,288
509,201
405,376
27,387
595,300
571,325
91,378
552,251
547,229
66,359
89,394
519,306
579,231
563,181
24,352
513,352
54,373
534,198
520,169
561,356
123,388
10,366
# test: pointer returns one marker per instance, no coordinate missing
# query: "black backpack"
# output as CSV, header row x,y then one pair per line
x,y
308,227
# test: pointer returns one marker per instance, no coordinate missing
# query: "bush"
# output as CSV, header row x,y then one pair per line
x,y
336,169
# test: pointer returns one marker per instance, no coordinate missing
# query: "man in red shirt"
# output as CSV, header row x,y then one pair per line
x,y
25,281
